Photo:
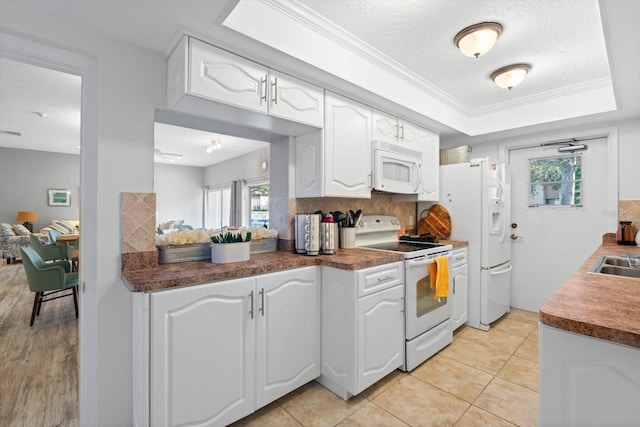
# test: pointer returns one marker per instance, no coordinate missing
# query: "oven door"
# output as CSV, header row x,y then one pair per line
x,y
422,311
396,173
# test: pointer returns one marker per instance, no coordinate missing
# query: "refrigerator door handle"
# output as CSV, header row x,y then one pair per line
x,y
498,273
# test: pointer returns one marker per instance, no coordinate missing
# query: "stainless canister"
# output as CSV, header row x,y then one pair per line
x,y
328,233
307,227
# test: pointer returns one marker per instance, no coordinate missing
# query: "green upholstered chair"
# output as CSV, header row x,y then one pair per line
x,y
48,279
50,252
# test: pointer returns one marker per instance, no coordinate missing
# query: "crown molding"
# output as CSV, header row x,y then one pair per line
x,y
602,83
317,23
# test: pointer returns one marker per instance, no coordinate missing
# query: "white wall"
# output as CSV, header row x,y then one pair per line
x,y
628,152
245,167
629,160
26,177
129,83
179,193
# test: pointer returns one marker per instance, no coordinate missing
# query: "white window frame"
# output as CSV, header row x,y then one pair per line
x,y
582,181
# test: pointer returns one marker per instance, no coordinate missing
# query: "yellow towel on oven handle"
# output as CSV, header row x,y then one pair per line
x,y
439,273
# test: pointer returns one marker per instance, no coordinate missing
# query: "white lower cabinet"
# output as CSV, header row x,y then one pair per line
x,y
460,291
222,350
288,332
362,326
585,381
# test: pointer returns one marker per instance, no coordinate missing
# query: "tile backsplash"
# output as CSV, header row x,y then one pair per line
x,y
379,204
629,210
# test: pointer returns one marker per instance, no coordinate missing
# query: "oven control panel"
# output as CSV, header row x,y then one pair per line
x,y
377,223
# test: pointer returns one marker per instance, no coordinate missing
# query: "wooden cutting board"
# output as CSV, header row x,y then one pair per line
x,y
437,222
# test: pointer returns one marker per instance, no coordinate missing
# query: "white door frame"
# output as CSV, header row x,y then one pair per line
x,y
37,52
611,133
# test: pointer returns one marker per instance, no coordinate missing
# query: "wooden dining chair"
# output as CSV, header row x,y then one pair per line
x,y
47,280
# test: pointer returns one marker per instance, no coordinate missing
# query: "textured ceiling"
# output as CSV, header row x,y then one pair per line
x,y
563,50
563,40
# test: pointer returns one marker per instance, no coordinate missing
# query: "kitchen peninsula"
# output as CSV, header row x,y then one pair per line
x,y
590,347
198,272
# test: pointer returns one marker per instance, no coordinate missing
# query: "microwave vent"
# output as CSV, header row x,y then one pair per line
x,y
451,156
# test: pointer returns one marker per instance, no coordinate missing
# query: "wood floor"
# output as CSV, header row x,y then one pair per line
x,y
38,364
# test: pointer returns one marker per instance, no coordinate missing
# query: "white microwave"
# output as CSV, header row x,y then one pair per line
x,y
396,169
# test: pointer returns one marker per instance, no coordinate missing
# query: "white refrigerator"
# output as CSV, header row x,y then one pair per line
x,y
477,196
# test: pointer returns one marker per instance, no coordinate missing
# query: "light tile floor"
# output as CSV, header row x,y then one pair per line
x,y
481,379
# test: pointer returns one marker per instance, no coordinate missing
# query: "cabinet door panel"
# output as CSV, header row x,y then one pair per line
x,y
460,295
288,337
348,147
380,336
294,99
202,356
384,128
225,77
430,165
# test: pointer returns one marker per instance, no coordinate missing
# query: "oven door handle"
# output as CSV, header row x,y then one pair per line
x,y
417,262
423,260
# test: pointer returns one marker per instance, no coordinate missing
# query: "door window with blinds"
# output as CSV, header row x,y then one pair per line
x,y
556,181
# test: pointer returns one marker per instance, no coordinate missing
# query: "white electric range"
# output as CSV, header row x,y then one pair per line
x,y
428,326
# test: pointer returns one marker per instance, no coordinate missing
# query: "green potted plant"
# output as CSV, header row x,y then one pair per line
x,y
230,246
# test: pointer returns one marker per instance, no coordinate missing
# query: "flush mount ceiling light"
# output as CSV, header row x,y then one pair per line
x,y
478,39
510,76
214,144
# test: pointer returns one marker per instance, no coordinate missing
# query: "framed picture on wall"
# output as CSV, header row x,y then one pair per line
x,y
59,197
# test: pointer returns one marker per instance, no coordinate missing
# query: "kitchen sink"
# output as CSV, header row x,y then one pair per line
x,y
617,266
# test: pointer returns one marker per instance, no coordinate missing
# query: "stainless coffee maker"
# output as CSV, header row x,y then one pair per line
x,y
328,235
307,229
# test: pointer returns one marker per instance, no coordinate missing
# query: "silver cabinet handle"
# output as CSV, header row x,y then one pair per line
x,y
251,309
262,301
263,89
402,134
275,90
397,131
385,278
454,286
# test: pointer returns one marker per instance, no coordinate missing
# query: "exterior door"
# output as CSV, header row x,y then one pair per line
x,y
552,241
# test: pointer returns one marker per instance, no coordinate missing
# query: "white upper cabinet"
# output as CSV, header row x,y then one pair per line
x,y
430,165
224,77
394,130
200,69
336,162
293,99
347,147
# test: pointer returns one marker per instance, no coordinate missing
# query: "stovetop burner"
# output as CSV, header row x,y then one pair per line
x,y
423,238
403,246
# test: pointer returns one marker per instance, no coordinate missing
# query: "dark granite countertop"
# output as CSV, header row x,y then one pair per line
x,y
598,305
198,272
